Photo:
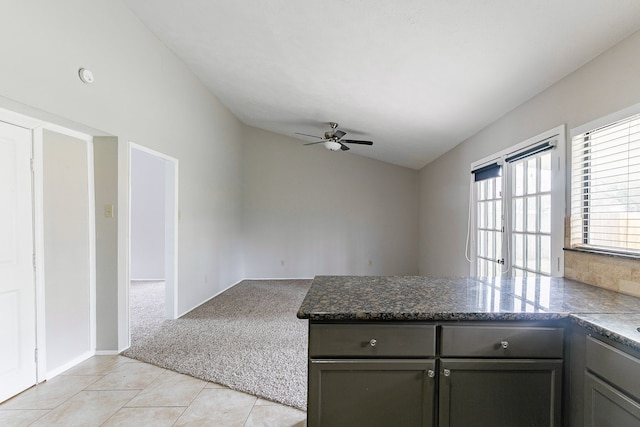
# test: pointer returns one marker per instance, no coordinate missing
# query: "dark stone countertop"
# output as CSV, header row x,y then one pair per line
x,y
416,298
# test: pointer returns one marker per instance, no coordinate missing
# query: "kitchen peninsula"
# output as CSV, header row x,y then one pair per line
x,y
458,351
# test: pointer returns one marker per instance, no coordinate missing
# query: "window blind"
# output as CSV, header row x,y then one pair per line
x,y
605,187
532,151
489,171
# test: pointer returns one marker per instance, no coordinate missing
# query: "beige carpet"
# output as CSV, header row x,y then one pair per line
x,y
247,338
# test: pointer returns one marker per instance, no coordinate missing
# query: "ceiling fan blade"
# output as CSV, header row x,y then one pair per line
x,y
305,134
355,141
317,142
338,134
343,147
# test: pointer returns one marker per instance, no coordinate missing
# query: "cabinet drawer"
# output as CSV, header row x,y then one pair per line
x,y
502,342
613,365
367,340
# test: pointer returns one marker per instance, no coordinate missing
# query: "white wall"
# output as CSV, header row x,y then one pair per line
x,y
142,93
147,216
323,212
607,84
66,249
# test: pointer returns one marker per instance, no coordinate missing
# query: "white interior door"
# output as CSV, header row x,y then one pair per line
x,y
17,286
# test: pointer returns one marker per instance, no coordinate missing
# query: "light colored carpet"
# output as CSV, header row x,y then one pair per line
x,y
247,338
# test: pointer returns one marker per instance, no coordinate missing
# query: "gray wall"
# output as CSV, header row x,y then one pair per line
x,y
606,84
147,216
324,212
105,169
142,93
66,249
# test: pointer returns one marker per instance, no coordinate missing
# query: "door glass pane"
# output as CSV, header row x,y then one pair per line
x,y
532,214
532,176
518,250
490,245
545,213
483,190
488,226
518,214
519,179
531,252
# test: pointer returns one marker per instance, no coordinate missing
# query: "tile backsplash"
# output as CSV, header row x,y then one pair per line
x,y
614,273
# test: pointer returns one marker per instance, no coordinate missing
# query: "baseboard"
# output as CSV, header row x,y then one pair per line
x,y
107,352
147,280
69,365
240,281
210,298
277,278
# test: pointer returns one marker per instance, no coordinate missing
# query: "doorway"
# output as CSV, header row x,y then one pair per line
x,y
153,236
47,255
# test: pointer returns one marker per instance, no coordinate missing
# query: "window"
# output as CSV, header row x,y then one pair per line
x,y
517,219
605,187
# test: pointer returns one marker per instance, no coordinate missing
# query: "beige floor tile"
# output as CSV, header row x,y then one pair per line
x,y
128,376
169,389
20,417
138,417
261,401
51,393
97,365
215,385
218,407
87,408
276,416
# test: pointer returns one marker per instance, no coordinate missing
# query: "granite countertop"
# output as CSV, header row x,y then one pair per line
x,y
410,298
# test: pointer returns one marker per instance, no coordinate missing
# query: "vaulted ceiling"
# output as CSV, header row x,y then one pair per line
x,y
415,76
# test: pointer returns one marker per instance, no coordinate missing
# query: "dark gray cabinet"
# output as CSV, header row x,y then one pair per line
x,y
371,393
371,374
477,392
390,374
612,387
500,375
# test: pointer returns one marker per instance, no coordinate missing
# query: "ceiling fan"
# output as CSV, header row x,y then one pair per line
x,y
333,139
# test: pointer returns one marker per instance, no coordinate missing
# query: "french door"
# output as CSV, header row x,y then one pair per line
x,y
518,211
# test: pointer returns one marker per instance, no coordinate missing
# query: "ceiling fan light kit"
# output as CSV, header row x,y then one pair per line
x,y
333,139
333,145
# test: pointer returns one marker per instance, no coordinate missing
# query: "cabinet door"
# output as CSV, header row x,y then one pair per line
x,y
607,407
506,393
371,393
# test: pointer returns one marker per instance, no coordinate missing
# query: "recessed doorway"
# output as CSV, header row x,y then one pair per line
x,y
153,235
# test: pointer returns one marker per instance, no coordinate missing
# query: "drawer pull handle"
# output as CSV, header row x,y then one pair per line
x,y
431,373
373,342
504,344
446,373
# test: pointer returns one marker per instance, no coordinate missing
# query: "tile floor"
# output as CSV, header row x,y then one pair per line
x,y
118,391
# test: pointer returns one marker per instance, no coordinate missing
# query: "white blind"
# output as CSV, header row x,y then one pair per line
x,y
605,187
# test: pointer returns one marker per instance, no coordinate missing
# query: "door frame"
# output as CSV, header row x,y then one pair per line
x,y
558,198
37,127
170,232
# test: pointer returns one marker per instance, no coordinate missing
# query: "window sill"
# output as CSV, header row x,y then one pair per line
x,y
604,253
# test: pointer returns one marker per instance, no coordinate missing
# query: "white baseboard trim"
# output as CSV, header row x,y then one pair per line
x,y
239,281
210,298
148,280
277,278
107,352
55,372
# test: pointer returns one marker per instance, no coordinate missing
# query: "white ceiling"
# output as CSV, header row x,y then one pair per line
x,y
415,76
